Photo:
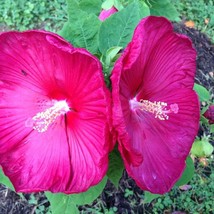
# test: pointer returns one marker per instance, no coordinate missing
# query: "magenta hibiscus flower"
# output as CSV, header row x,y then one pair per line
x,y
107,13
209,114
54,107
155,110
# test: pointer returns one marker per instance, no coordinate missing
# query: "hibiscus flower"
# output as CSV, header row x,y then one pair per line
x,y
155,110
54,114
209,114
104,14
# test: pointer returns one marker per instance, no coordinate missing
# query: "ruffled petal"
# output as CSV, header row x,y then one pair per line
x,y
28,74
30,58
72,154
88,96
157,58
164,144
68,160
157,65
89,151
40,162
121,111
17,104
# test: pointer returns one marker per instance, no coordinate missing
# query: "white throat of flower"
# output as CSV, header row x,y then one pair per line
x,y
42,120
159,109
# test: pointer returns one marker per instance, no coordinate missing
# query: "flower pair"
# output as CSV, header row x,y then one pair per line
x,y
56,113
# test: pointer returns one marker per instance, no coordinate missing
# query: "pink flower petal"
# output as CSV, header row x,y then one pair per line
x,y
107,13
70,154
157,66
39,162
164,144
51,162
154,41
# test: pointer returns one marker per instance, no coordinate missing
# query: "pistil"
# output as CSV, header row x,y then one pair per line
x,y
42,120
158,108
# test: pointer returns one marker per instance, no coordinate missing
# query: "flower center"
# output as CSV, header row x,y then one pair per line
x,y
159,109
42,120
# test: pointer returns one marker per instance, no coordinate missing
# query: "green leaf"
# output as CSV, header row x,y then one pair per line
x,y
202,92
212,128
5,180
72,9
90,195
82,27
204,109
111,54
202,148
108,60
91,6
61,204
118,29
66,204
116,167
144,9
107,4
204,120
118,5
83,32
188,172
211,22
163,8
149,197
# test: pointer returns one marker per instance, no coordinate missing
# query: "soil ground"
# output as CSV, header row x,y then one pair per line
x,y
11,203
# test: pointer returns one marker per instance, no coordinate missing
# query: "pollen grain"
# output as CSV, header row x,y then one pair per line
x,y
42,120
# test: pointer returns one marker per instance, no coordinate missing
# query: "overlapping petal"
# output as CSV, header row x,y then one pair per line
x,y
36,69
157,65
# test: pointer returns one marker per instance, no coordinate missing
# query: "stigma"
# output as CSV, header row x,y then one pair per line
x,y
42,120
159,109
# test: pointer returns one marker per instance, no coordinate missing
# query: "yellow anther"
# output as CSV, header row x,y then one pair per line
x,y
156,108
159,109
42,120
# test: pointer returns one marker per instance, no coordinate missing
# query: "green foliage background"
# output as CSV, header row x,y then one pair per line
x,y
34,14
50,15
